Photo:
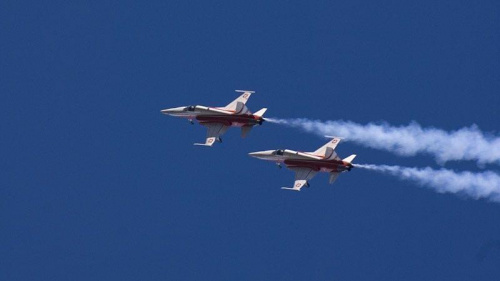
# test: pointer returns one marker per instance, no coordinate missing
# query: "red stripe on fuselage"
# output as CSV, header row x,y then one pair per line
x,y
247,119
316,165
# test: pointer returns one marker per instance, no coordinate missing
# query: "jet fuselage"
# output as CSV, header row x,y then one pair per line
x,y
206,114
293,158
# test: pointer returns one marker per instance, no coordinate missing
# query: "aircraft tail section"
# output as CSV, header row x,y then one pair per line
x,y
327,150
333,177
239,103
245,130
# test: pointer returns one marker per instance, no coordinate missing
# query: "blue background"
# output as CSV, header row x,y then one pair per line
x,y
96,184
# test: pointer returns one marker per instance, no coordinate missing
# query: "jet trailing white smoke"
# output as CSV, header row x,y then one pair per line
x,y
468,143
476,185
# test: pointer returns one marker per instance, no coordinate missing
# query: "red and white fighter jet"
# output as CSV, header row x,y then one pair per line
x,y
219,119
307,164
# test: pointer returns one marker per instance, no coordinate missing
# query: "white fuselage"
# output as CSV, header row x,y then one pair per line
x,y
204,114
292,158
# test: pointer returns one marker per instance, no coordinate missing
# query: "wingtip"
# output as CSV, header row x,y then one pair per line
x,y
289,188
201,144
244,91
333,137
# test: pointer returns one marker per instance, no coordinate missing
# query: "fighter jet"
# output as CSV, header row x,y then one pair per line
x,y
219,119
307,164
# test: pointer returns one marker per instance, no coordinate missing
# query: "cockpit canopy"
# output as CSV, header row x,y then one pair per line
x,y
190,108
278,152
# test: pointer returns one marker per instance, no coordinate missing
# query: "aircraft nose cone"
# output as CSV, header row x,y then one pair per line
x,y
261,154
172,110
253,154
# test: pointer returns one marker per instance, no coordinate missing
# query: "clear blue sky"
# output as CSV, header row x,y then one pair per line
x,y
97,185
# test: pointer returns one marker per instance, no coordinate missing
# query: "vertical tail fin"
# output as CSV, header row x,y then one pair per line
x,y
328,149
241,99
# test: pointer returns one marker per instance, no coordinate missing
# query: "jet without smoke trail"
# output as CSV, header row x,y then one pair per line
x,y
476,185
464,144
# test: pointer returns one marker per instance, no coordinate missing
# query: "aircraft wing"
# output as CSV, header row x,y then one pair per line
x,y
215,130
302,176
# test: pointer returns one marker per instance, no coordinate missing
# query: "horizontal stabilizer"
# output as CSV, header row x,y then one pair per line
x,y
260,113
349,159
245,130
333,177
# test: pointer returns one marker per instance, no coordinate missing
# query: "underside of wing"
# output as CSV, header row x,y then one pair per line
x,y
214,132
302,176
303,173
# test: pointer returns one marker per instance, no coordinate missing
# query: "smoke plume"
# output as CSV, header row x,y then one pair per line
x,y
468,143
476,185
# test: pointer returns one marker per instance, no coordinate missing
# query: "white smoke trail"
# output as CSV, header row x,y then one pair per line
x,y
476,185
464,144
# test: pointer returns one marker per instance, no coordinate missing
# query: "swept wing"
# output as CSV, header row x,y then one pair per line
x,y
214,132
302,176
